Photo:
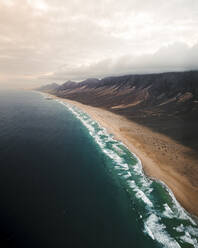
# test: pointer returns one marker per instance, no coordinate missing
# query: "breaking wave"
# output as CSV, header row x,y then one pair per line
x,y
162,218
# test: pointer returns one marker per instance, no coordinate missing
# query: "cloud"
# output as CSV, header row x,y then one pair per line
x,y
43,40
174,57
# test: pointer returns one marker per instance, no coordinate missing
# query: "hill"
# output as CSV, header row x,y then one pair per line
x,y
165,102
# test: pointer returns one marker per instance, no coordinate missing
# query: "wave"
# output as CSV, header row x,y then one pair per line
x,y
162,217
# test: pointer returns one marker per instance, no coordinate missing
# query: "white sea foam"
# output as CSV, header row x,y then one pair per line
x,y
192,230
189,234
188,239
127,176
168,212
120,151
181,213
179,228
139,193
153,225
157,231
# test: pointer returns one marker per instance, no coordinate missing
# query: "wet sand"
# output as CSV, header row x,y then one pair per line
x,y
162,158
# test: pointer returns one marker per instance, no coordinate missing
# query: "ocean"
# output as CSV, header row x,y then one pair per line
x,y
66,182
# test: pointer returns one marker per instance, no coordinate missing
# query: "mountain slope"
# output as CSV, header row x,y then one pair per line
x,y
165,102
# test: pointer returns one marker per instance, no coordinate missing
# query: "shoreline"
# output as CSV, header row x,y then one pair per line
x,y
120,127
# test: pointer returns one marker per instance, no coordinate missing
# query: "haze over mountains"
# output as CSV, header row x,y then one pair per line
x,y
165,102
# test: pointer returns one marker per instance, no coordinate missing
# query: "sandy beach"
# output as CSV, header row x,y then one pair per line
x,y
162,158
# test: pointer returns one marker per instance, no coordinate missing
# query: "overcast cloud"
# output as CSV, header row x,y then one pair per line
x,y
43,41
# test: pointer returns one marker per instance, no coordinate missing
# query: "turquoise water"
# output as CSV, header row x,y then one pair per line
x,y
66,182
159,214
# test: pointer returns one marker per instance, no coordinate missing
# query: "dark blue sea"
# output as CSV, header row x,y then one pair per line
x,y
65,182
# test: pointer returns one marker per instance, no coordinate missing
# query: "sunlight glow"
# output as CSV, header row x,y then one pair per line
x,y
38,4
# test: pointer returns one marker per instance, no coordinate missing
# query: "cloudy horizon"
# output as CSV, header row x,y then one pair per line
x,y
44,41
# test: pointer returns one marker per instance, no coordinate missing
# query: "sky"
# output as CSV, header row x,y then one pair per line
x,y
45,41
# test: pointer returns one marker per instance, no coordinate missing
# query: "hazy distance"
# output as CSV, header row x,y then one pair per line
x,y
44,41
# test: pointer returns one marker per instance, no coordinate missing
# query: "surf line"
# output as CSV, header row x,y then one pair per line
x,y
152,222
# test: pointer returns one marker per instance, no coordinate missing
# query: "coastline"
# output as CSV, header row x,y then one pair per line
x,y
133,136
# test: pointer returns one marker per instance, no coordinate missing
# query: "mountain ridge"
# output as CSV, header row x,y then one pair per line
x,y
165,102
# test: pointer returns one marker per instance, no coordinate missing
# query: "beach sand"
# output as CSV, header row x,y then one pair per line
x,y
162,158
